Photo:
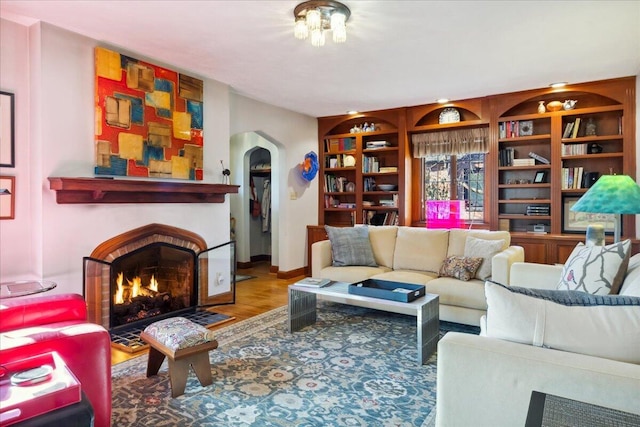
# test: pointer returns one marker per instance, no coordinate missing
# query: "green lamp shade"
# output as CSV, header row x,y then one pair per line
x,y
611,194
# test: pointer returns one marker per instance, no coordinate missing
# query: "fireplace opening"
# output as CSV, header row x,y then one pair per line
x,y
151,283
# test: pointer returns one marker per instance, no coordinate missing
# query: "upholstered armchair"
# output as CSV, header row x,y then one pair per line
x,y
36,325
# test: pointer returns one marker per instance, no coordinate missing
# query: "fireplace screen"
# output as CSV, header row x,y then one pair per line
x,y
152,282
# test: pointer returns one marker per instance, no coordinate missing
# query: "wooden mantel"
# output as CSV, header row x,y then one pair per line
x,y
110,190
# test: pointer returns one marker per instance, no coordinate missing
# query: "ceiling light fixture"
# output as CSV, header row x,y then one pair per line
x,y
314,18
558,84
442,100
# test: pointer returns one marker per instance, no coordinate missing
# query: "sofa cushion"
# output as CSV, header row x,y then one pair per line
x,y
458,239
458,293
486,249
350,246
420,249
597,325
383,243
631,284
351,274
404,276
460,267
596,270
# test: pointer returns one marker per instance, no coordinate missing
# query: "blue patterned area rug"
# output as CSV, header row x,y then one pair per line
x,y
354,367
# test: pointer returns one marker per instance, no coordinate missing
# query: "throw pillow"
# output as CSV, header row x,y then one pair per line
x,y
598,325
485,249
597,270
420,249
350,246
460,267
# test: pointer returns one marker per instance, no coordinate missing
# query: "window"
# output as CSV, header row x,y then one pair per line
x,y
456,177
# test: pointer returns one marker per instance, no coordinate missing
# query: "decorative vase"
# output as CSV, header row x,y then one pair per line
x,y
554,106
541,108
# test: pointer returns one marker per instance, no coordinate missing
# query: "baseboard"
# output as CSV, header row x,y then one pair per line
x,y
291,273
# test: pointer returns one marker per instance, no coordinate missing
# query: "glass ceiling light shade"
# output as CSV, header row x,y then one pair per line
x,y
316,17
611,194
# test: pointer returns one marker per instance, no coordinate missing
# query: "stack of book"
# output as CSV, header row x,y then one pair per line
x,y
378,144
388,169
523,162
538,210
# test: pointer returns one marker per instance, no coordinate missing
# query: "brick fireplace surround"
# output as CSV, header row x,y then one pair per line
x,y
97,276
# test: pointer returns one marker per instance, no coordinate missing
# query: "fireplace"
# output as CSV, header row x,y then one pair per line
x,y
152,282
153,272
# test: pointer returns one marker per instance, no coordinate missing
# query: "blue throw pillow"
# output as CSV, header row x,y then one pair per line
x,y
350,246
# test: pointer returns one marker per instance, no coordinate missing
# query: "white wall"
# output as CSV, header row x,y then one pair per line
x,y
17,253
60,143
292,135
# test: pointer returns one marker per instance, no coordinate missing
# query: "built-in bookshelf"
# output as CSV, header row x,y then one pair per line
x,y
361,165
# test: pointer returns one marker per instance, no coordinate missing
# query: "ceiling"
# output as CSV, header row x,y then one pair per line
x,y
398,53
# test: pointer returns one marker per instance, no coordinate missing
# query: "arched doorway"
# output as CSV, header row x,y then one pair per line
x,y
249,149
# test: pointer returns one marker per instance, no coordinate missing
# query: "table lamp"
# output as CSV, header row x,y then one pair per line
x,y
611,194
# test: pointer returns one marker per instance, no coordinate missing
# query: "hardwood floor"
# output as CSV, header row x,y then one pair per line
x,y
253,297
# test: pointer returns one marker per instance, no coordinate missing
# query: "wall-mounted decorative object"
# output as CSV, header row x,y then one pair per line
x,y
449,115
149,120
7,130
7,197
309,167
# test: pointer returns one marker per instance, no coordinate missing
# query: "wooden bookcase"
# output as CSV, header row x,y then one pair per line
x,y
574,156
355,163
513,193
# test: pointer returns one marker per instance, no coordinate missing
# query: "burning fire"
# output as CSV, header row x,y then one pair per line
x,y
135,288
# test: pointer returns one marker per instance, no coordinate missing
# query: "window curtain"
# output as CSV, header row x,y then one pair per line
x,y
450,142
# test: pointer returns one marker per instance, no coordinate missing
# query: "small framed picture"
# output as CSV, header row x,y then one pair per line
x,y
7,197
7,124
577,222
526,128
540,177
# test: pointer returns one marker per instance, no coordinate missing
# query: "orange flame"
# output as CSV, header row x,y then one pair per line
x,y
133,289
119,297
153,284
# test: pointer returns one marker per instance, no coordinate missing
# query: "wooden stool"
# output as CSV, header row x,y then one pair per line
x,y
185,344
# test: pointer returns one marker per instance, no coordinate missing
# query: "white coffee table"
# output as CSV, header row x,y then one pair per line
x,y
302,311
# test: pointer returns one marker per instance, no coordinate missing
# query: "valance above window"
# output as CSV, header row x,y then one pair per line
x,y
451,142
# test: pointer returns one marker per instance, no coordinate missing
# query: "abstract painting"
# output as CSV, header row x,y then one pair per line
x,y
149,120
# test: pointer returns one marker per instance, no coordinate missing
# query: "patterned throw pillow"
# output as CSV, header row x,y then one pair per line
x,y
350,246
597,270
460,267
485,249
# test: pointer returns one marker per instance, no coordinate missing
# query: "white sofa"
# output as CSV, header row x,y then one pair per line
x,y
415,255
486,381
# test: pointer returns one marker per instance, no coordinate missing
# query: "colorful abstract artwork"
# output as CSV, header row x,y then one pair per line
x,y
149,120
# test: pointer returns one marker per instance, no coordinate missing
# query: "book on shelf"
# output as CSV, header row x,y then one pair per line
x,y
311,282
576,128
572,178
567,130
388,169
334,145
539,158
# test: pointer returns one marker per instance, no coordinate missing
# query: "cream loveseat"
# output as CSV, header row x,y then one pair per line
x,y
564,343
416,255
